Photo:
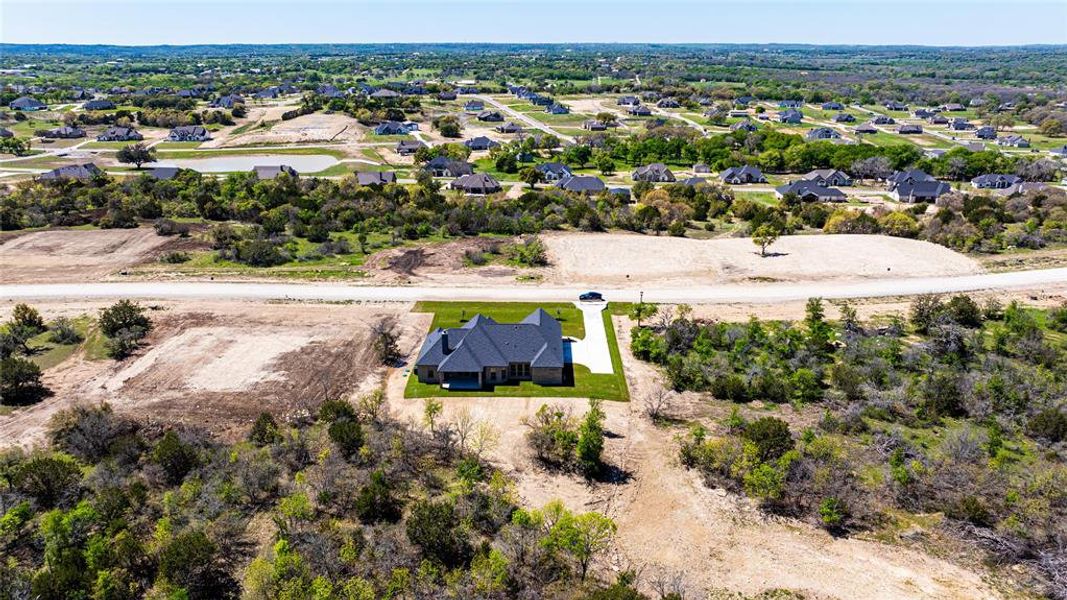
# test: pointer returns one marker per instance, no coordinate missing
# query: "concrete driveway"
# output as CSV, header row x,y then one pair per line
x,y
591,351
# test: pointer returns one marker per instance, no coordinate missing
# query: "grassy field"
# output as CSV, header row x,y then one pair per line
x,y
580,382
47,354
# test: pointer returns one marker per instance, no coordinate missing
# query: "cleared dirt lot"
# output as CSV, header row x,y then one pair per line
x,y
316,127
77,255
622,258
218,365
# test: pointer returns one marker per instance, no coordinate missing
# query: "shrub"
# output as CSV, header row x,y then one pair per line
x,y
26,316
771,437
20,382
174,456
348,435
265,430
1049,424
124,342
47,478
64,332
376,502
435,528
175,258
833,511
124,315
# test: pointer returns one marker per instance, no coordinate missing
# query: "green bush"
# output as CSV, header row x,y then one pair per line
x,y
771,437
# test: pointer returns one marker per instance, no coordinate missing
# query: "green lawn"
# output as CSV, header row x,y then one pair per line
x,y
47,354
581,383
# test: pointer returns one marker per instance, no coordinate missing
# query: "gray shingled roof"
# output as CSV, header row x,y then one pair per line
x,y
483,342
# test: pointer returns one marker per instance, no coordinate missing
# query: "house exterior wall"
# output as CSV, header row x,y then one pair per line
x,y
547,376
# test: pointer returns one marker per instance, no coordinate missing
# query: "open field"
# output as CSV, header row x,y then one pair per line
x,y
78,254
203,362
620,258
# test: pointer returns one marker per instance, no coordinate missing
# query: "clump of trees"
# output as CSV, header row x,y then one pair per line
x,y
561,441
124,324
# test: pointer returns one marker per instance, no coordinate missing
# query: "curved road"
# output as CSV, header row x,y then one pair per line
x,y
717,294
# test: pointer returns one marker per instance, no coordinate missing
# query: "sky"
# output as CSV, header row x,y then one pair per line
x,y
873,22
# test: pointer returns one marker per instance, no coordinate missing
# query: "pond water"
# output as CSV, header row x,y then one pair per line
x,y
303,163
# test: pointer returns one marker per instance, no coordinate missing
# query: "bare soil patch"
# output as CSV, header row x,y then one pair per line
x,y
443,263
218,365
620,258
314,128
78,255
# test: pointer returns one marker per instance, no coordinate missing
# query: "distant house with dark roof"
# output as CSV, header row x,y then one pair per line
x,y
442,166
822,133
844,118
446,96
189,133
375,177
120,134
883,120
655,173
27,103
701,168
960,124
668,103
581,184
743,175
810,191
937,119
923,113
554,171
594,125
743,100
954,107
640,110
83,171
916,186
6,133
483,353
1014,141
408,147
833,106
64,133
98,105
829,177
385,94
480,143
476,183
908,129
557,109
986,133
791,115
162,173
627,101
272,171
474,106
865,128
895,105
509,127
995,181
227,101
490,116
791,104
395,128
744,125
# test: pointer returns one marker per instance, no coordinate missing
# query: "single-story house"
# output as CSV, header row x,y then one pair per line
x,y
745,125
822,133
655,172
554,171
442,166
743,100
833,106
272,171
895,105
668,103
27,103
82,171
953,107
960,124
509,127
701,168
919,191
490,116
829,177
162,173
791,104
582,184
743,175
865,128
790,116
937,119
484,353
1015,141
986,133
393,128
446,96
474,106
99,105
640,110
6,133
628,101
594,125
375,177
923,113
995,181
385,94
844,118
64,133
810,191
408,147
557,109
733,114
227,101
120,134
476,183
883,120
189,133
907,129
480,143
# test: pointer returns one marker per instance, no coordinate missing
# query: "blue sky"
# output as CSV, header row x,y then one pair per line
x,y
143,22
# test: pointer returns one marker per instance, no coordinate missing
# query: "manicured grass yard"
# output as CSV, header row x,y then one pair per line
x,y
578,384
